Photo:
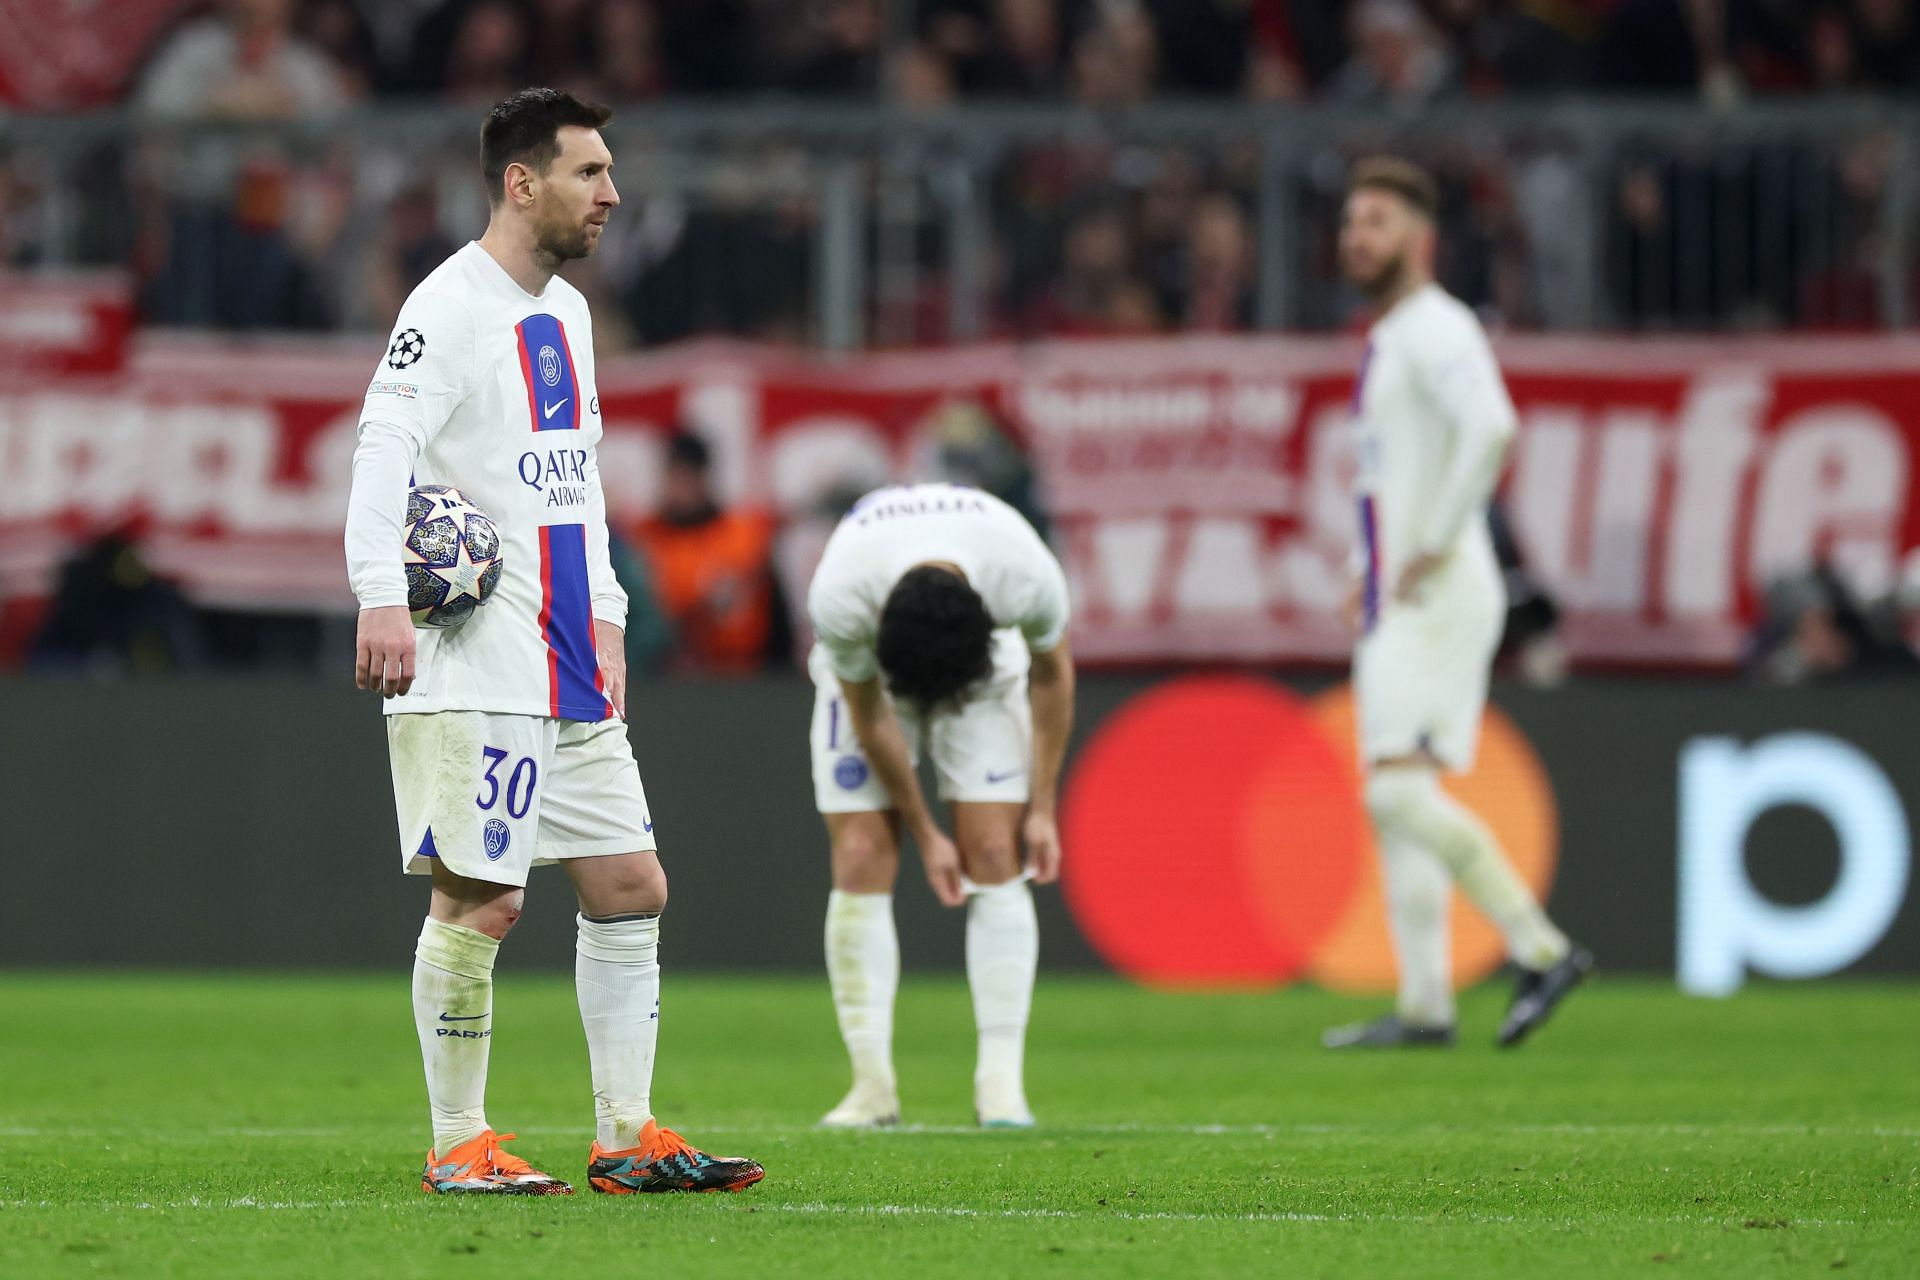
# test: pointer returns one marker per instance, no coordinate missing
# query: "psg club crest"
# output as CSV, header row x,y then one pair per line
x,y
407,349
451,554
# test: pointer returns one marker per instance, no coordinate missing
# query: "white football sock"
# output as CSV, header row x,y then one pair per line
x,y
1003,951
863,966
616,974
1408,803
1419,894
453,1012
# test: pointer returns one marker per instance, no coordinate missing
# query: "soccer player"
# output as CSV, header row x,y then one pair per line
x,y
941,620
507,736
1432,421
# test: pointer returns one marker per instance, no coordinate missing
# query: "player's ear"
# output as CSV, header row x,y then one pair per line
x,y
519,183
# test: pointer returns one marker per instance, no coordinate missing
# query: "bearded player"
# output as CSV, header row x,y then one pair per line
x,y
1432,424
507,735
941,624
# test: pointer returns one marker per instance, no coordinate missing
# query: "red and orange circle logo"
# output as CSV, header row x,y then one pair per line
x,y
1216,836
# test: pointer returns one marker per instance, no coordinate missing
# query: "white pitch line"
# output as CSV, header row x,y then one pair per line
x,y
821,1208
1706,1130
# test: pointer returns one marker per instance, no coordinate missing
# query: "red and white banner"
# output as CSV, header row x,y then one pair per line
x,y
1197,487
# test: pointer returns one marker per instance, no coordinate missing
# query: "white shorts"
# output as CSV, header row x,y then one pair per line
x,y
1420,677
981,750
490,795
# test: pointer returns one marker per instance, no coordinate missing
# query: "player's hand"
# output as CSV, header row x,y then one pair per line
x,y
1415,575
610,647
942,860
1043,846
384,650
1353,605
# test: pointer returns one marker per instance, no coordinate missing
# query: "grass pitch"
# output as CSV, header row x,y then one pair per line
x,y
266,1126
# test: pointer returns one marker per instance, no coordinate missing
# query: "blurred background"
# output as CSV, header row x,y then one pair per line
x,y
1077,252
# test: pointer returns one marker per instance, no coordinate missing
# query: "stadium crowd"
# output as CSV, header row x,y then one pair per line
x,y
1093,234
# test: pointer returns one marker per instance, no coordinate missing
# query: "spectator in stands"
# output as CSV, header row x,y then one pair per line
x,y
1397,57
228,259
243,63
628,65
1886,40
1817,628
1097,291
337,30
111,614
1218,285
1115,59
843,57
712,571
489,57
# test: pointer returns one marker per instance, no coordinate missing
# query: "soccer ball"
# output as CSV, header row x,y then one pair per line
x,y
452,556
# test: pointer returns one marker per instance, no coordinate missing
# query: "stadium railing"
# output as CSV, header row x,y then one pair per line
x,y
849,226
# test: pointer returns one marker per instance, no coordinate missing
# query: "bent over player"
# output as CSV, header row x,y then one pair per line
x,y
941,624
508,740
1432,422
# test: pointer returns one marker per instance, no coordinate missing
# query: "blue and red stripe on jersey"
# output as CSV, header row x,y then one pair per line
x,y
1370,548
546,362
1369,514
575,687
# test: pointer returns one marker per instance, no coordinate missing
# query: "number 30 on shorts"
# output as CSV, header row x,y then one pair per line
x,y
521,780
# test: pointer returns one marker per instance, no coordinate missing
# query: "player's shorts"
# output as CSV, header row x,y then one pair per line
x,y
981,750
490,795
1420,677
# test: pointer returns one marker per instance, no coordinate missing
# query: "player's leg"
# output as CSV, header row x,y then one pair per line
x,y
982,753
1003,956
453,998
446,784
617,981
863,961
862,946
595,822
1395,689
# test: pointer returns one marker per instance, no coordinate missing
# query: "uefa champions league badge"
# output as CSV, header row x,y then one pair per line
x,y
496,838
408,346
850,773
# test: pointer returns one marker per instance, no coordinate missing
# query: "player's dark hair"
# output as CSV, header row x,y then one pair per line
x,y
524,128
936,637
1397,177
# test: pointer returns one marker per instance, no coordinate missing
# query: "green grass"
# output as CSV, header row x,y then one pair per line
x,y
265,1126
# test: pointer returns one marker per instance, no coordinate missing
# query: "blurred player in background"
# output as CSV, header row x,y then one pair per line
x,y
509,744
941,620
1432,423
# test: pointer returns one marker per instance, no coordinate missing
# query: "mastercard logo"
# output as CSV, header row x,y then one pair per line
x,y
1218,837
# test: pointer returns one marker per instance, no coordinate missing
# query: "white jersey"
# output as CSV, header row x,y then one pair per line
x,y
491,389
1432,421
891,530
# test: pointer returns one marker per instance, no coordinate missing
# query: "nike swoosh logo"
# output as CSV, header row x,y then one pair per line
x,y
993,777
472,1017
551,409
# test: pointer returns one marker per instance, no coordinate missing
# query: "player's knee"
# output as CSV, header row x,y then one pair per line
x,y
1394,795
992,858
864,858
629,885
496,917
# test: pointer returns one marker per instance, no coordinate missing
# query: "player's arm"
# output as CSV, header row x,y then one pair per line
x,y
885,745
416,387
1463,382
1050,691
376,511
609,597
